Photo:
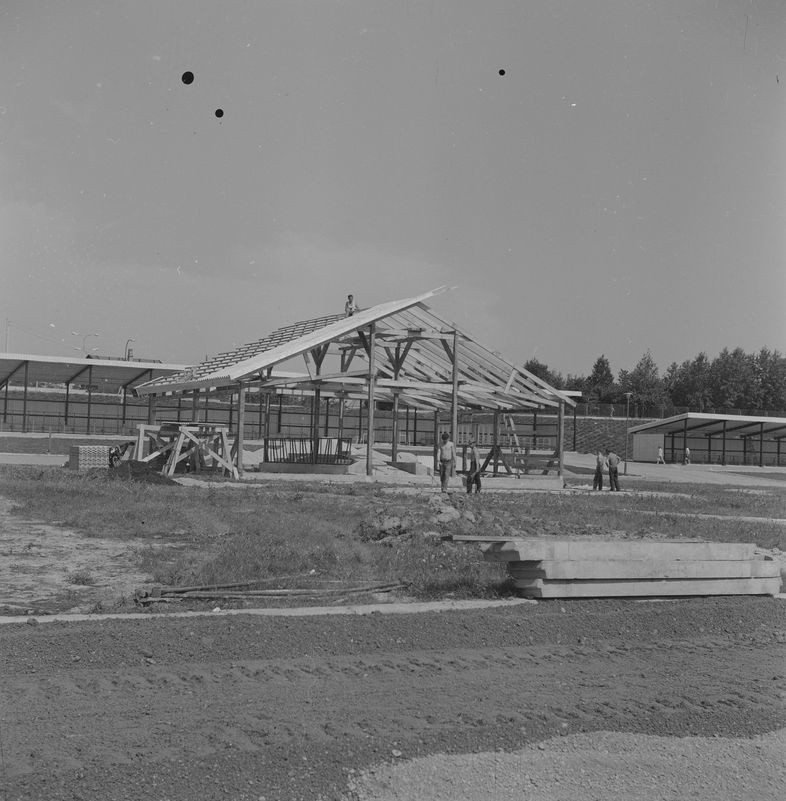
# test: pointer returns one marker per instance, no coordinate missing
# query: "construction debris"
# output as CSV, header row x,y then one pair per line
x,y
233,592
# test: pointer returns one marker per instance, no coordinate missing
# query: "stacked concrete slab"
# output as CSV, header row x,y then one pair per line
x,y
572,568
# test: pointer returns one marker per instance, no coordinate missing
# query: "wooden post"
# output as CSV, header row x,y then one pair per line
x,y
280,411
241,424
495,442
574,428
394,451
454,399
195,407
560,436
370,423
267,427
125,399
415,427
436,440
318,355
315,404
151,410
68,393
5,403
340,417
327,416
259,414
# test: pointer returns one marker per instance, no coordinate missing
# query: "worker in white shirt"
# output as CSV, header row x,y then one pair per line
x,y
447,461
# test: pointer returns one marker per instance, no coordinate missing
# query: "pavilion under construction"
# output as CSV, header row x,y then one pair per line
x,y
399,353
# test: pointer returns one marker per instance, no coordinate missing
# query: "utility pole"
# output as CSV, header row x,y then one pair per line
x,y
627,416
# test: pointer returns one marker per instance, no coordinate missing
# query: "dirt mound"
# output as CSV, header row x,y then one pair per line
x,y
139,471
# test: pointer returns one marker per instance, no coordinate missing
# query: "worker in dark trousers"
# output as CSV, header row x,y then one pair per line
x,y
600,466
473,477
614,474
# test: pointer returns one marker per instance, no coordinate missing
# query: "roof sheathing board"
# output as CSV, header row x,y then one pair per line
x,y
227,374
280,336
329,333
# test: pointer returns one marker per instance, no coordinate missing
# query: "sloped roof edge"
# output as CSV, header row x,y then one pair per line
x,y
286,351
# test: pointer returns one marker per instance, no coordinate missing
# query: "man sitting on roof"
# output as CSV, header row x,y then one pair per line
x,y
350,307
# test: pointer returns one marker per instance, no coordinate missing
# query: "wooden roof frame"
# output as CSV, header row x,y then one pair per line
x,y
413,358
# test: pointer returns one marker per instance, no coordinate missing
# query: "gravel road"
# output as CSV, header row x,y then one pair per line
x,y
579,700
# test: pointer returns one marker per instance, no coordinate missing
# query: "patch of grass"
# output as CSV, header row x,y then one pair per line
x,y
300,535
80,577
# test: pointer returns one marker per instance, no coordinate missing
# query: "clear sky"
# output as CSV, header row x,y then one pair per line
x,y
622,187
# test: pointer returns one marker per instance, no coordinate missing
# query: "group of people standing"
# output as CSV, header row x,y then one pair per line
x,y
447,463
606,461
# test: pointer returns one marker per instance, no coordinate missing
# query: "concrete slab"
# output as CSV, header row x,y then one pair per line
x,y
521,550
41,459
645,569
541,588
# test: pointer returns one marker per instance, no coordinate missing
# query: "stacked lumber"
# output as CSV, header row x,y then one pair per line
x,y
573,568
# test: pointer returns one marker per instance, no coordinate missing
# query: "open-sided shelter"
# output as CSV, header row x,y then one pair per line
x,y
398,352
712,439
26,371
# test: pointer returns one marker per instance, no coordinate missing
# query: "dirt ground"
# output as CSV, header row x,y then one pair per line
x,y
360,707
546,701
51,568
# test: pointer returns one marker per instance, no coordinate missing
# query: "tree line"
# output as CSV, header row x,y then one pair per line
x,y
734,379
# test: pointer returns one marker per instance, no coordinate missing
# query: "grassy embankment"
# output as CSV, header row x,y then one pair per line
x,y
296,535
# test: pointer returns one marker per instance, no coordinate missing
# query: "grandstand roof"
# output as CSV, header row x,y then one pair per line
x,y
104,375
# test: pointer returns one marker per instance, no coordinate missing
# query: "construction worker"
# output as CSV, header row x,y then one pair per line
x,y
447,461
473,477
614,475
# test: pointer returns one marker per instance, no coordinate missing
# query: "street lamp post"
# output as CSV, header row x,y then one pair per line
x,y
84,339
627,416
128,342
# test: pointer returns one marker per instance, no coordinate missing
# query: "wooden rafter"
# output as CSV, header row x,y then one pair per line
x,y
417,356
